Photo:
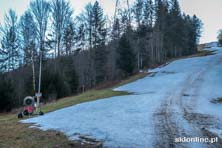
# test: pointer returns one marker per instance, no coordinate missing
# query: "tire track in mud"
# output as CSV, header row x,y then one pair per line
x,y
167,129
200,122
167,118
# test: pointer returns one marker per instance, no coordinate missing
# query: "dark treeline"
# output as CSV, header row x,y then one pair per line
x,y
219,37
89,49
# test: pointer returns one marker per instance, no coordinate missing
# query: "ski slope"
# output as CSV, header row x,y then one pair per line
x,y
173,102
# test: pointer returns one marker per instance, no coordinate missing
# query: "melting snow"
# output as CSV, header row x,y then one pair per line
x,y
126,121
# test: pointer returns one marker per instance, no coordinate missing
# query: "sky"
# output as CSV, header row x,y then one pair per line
x,y
209,11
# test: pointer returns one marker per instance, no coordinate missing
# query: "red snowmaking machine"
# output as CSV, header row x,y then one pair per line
x,y
31,107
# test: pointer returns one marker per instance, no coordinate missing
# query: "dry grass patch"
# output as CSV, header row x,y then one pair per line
x,y
16,135
198,54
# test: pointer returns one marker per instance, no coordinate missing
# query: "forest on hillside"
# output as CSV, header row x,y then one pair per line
x,y
219,37
81,51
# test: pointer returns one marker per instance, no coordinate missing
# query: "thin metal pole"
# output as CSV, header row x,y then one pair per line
x,y
33,72
40,72
40,77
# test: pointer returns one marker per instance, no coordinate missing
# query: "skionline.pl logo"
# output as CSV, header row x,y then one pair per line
x,y
196,139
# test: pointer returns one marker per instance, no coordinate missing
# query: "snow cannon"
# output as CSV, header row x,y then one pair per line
x,y
29,107
29,101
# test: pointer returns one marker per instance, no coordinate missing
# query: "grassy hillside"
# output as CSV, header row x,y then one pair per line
x,y
91,95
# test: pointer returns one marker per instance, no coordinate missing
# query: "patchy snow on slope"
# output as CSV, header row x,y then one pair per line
x,y
119,120
126,121
210,89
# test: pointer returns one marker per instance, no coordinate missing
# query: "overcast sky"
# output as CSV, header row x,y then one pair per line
x,y
209,11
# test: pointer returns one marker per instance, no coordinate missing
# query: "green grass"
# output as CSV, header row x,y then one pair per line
x,y
91,95
14,134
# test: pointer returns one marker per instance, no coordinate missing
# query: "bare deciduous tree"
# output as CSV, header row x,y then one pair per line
x,y
61,16
10,42
40,10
